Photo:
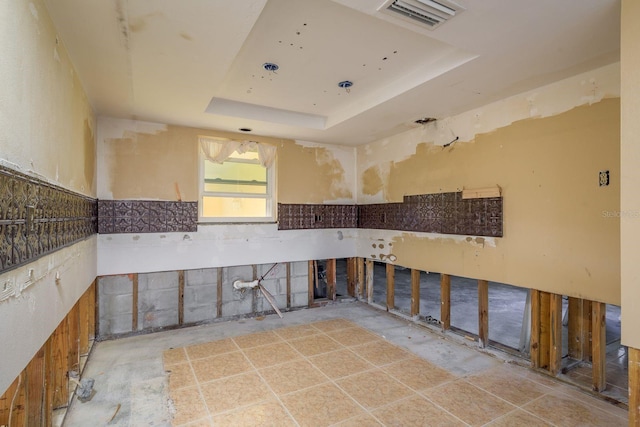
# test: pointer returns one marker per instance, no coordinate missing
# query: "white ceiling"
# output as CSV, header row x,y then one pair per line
x,y
199,62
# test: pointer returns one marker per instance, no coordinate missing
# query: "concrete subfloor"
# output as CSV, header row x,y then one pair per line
x,y
132,388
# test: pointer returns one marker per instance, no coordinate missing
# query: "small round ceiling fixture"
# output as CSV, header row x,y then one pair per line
x,y
270,66
245,129
345,84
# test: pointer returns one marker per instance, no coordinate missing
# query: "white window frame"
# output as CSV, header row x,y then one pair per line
x,y
270,197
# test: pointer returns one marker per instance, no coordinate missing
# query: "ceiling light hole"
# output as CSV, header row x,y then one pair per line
x,y
384,59
245,129
270,66
346,85
305,24
297,33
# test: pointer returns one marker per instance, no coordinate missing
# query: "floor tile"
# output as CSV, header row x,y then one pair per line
x,y
188,405
374,389
561,410
319,406
256,339
333,324
270,355
180,375
418,373
365,420
200,351
232,392
380,352
293,332
353,336
174,355
292,376
204,422
507,384
519,418
266,414
340,363
224,365
467,402
415,411
315,344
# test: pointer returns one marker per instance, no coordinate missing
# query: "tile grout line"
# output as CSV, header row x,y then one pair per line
x,y
257,372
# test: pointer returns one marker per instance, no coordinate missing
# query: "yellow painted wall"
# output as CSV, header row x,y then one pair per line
x,y
159,162
561,230
630,165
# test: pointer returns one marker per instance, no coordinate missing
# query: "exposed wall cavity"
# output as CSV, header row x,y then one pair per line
x,y
148,302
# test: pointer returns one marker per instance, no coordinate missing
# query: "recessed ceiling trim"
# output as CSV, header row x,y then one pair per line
x,y
228,107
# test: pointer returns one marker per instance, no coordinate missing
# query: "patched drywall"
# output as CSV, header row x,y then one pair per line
x,y
141,160
561,232
314,173
152,161
46,122
372,181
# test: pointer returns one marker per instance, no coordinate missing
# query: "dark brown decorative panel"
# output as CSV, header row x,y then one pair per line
x,y
444,213
141,216
295,217
37,218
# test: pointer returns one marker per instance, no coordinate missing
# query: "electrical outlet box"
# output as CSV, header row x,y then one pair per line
x,y
603,178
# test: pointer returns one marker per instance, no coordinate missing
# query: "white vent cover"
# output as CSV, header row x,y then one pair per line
x,y
429,13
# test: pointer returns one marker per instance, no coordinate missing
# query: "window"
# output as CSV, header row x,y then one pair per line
x,y
240,189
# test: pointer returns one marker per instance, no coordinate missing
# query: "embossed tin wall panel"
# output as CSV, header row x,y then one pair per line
x,y
142,216
37,218
299,216
444,213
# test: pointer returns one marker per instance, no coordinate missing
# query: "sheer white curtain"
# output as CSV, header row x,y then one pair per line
x,y
218,151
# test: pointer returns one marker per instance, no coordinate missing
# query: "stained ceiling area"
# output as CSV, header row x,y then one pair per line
x,y
335,71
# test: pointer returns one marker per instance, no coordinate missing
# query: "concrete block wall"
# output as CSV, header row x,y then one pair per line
x,y
157,300
200,295
275,282
115,304
236,302
158,296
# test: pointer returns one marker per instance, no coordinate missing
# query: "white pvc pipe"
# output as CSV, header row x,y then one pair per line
x,y
240,284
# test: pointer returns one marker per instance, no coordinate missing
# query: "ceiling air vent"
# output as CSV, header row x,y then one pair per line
x,y
429,13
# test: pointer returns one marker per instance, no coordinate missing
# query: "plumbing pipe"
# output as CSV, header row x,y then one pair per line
x,y
240,284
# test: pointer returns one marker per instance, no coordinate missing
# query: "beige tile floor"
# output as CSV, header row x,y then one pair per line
x,y
337,372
